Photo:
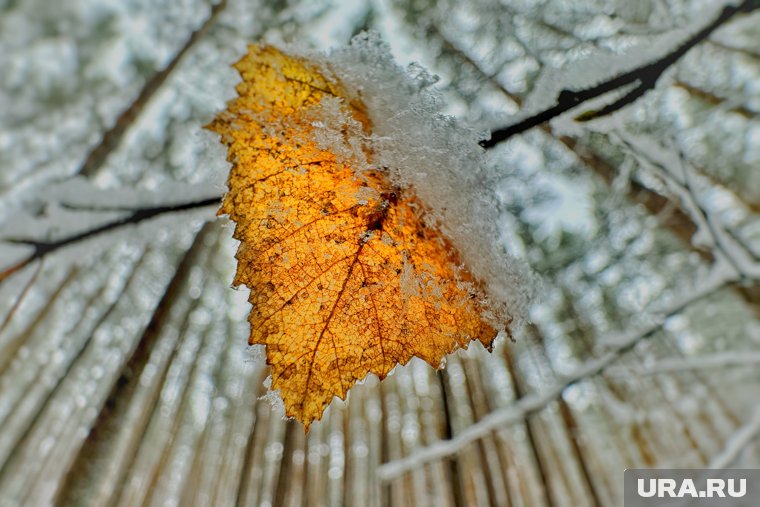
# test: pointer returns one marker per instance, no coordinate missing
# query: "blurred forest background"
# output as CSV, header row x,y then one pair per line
x,y
125,378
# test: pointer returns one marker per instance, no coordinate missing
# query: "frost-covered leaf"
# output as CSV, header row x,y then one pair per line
x,y
349,274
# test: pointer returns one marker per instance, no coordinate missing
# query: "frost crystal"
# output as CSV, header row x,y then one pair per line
x,y
434,154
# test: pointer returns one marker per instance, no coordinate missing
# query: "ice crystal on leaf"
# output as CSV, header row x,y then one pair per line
x,y
362,215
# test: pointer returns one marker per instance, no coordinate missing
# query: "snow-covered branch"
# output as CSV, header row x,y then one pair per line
x,y
644,78
721,360
681,182
737,443
102,211
535,402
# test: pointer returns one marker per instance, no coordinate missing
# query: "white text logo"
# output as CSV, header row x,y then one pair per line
x,y
669,488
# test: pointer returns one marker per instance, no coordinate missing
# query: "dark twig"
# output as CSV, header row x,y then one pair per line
x,y
644,78
43,248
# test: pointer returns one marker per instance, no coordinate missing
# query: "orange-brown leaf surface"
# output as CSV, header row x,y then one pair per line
x,y
346,278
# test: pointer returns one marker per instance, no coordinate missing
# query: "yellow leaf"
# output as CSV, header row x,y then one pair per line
x,y
346,277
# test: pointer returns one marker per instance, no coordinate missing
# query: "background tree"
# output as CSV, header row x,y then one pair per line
x,y
124,375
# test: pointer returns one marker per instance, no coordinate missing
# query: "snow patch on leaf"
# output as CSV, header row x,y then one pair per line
x,y
421,148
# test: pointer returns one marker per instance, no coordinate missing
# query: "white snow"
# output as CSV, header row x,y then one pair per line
x,y
434,154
